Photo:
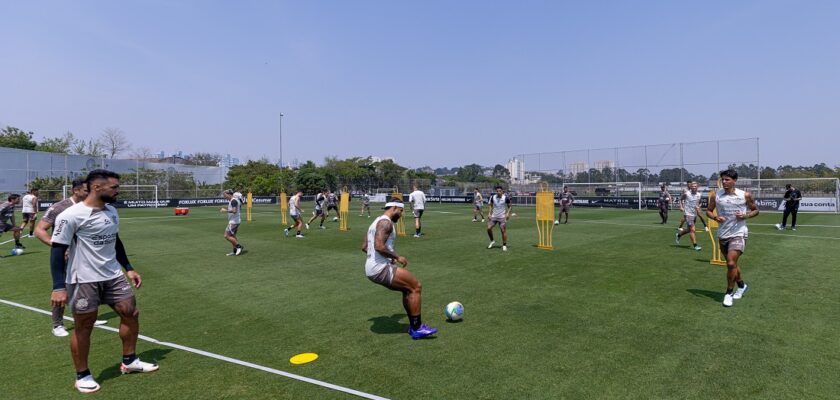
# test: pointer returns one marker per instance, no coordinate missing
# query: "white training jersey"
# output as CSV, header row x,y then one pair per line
x,y
691,202
478,199
417,199
293,210
235,217
376,262
26,203
499,204
92,236
727,205
319,201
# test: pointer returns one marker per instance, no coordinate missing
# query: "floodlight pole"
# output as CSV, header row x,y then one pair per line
x,y
281,140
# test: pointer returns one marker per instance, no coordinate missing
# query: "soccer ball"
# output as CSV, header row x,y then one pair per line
x,y
454,311
17,251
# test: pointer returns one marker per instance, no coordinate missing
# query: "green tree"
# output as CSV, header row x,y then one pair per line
x,y
17,139
60,144
244,178
499,171
469,173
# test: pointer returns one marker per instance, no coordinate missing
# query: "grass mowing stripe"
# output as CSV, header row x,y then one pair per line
x,y
218,357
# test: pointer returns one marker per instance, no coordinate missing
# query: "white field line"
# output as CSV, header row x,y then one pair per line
x,y
219,357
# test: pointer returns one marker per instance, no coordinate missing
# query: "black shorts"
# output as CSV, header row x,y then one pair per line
x,y
418,213
5,228
29,217
332,207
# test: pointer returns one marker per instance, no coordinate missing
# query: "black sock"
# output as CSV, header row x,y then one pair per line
x,y
741,284
82,374
129,358
729,290
504,243
298,232
417,231
238,246
414,321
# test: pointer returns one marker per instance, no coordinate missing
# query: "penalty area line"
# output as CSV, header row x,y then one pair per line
x,y
219,357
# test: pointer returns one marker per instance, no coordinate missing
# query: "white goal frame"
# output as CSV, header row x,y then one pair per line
x,y
634,186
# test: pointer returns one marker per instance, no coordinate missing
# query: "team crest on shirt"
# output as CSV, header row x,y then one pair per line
x,y
81,304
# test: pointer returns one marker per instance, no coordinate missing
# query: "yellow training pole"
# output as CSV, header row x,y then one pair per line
x,y
717,257
284,208
250,204
343,209
401,223
545,217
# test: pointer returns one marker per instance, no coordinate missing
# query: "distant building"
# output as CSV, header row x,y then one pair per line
x,y
377,159
578,167
228,161
601,165
517,170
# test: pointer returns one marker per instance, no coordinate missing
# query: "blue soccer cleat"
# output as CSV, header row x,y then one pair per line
x,y
424,331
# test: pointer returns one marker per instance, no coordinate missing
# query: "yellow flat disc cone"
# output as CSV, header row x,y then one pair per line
x,y
303,358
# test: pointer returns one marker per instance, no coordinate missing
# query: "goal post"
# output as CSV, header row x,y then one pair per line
x,y
631,190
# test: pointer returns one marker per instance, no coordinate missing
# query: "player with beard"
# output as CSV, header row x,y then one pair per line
x,y
380,267
89,230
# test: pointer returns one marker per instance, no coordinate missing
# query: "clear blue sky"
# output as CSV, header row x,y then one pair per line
x,y
440,83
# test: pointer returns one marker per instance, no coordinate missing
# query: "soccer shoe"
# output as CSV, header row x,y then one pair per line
x,y
492,242
100,322
793,229
417,235
556,222
138,366
475,220
87,384
335,219
286,232
238,250
727,300
298,236
739,293
697,248
677,238
59,331
231,254
322,227
424,331
504,247
482,220
780,227
307,226
706,228
20,246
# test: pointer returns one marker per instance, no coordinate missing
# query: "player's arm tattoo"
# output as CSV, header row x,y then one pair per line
x,y
383,230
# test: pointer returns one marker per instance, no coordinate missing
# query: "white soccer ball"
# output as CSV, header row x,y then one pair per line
x,y
17,251
454,311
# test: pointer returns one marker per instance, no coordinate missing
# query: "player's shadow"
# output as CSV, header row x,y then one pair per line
x,y
716,296
152,356
386,324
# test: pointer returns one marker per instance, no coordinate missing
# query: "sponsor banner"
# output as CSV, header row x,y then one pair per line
x,y
209,201
449,199
814,204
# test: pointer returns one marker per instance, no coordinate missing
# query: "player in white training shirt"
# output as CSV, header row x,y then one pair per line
x,y
499,214
29,211
89,230
690,206
234,211
418,205
296,213
734,207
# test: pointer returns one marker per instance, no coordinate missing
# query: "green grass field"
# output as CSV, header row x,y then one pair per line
x,y
616,310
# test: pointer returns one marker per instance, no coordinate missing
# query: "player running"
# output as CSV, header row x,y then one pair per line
x,y
734,207
7,219
89,230
380,267
690,206
478,205
320,200
29,211
332,204
663,203
295,212
499,214
699,213
233,209
418,205
365,204
566,200
79,194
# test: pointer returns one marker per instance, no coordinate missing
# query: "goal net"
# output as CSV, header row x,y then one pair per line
x,y
617,192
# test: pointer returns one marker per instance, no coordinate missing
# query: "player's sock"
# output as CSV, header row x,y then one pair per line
x,y
129,358
740,284
504,243
415,322
729,290
82,374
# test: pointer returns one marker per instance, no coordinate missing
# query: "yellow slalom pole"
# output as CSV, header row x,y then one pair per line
x,y
545,218
343,209
717,257
250,204
284,208
401,223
